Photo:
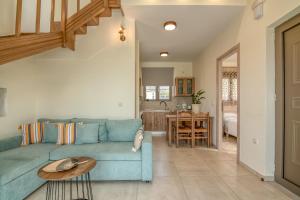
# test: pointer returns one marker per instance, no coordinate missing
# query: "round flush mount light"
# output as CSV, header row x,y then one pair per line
x,y
170,25
164,54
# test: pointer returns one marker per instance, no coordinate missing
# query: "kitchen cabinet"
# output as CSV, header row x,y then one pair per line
x,y
184,86
154,120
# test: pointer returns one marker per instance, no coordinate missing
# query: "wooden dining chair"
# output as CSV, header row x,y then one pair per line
x,y
201,129
183,129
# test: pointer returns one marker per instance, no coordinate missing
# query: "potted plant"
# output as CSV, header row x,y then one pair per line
x,y
197,98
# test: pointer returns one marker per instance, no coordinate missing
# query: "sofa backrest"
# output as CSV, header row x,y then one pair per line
x,y
54,120
109,130
10,143
122,130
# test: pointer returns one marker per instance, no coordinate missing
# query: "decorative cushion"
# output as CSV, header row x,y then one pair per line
x,y
36,132
60,133
69,133
102,126
122,130
50,132
138,140
87,133
25,128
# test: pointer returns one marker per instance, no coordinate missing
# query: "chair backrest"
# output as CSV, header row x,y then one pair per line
x,y
183,116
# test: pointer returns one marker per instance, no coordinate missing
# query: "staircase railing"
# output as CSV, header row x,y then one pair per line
x,y
75,16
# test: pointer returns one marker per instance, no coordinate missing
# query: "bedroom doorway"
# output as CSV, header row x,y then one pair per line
x,y
228,101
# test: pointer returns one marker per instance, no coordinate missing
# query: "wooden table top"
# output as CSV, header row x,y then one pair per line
x,y
195,115
72,173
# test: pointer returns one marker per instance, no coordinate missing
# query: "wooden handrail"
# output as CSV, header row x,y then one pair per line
x,y
38,16
18,18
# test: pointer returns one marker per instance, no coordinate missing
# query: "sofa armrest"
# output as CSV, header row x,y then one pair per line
x,y
10,143
147,157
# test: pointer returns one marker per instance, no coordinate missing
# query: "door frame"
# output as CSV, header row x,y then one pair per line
x,y
279,105
219,120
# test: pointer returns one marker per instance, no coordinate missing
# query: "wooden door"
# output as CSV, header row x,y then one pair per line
x,y
287,151
292,105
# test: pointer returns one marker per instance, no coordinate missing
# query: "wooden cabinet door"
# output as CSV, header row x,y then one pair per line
x,y
148,121
159,121
184,87
179,87
189,86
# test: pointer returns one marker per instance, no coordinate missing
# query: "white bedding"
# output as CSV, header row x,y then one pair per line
x,y
230,123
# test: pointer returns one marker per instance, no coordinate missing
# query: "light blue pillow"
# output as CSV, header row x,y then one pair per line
x,y
122,130
87,133
102,126
50,133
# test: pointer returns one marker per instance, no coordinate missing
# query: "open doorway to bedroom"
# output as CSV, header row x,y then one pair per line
x,y
228,92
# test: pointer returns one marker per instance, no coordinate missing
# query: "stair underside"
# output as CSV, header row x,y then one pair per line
x,y
15,47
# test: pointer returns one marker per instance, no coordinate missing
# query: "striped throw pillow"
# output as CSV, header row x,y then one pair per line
x,y
69,133
25,129
36,132
60,133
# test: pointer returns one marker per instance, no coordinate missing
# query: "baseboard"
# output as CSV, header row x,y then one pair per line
x,y
262,177
157,133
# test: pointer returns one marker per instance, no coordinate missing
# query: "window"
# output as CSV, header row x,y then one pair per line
x,y
233,89
150,92
164,92
225,89
229,89
157,93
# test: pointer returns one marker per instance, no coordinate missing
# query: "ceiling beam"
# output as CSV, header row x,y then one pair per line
x,y
185,2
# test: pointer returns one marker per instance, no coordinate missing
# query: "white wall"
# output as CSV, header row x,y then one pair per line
x,y
20,80
7,17
257,80
181,69
96,80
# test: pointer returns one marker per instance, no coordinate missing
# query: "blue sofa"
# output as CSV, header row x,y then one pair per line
x,y
115,159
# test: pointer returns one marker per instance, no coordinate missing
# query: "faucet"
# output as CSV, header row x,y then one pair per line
x,y
165,103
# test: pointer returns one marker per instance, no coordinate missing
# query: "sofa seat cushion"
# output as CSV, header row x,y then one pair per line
x,y
109,151
18,161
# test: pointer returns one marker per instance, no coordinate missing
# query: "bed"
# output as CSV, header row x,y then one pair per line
x,y
230,123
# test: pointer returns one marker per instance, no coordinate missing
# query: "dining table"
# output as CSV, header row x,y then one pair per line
x,y
171,119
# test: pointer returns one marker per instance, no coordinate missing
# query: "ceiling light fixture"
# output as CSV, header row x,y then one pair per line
x,y
164,54
170,25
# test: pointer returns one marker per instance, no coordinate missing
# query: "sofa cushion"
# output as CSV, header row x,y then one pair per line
x,y
102,126
87,133
10,143
50,133
122,130
18,161
109,151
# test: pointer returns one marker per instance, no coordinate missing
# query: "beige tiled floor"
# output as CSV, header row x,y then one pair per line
x,y
188,174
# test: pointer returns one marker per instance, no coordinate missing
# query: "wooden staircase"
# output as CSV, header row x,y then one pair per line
x,y
62,33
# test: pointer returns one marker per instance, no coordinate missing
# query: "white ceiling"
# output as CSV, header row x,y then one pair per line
x,y
198,25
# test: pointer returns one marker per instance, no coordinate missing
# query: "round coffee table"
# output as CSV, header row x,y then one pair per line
x,y
57,181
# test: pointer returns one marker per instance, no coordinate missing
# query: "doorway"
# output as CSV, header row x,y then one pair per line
x,y
228,101
287,156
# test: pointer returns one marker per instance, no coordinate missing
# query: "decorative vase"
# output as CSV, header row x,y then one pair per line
x,y
196,108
